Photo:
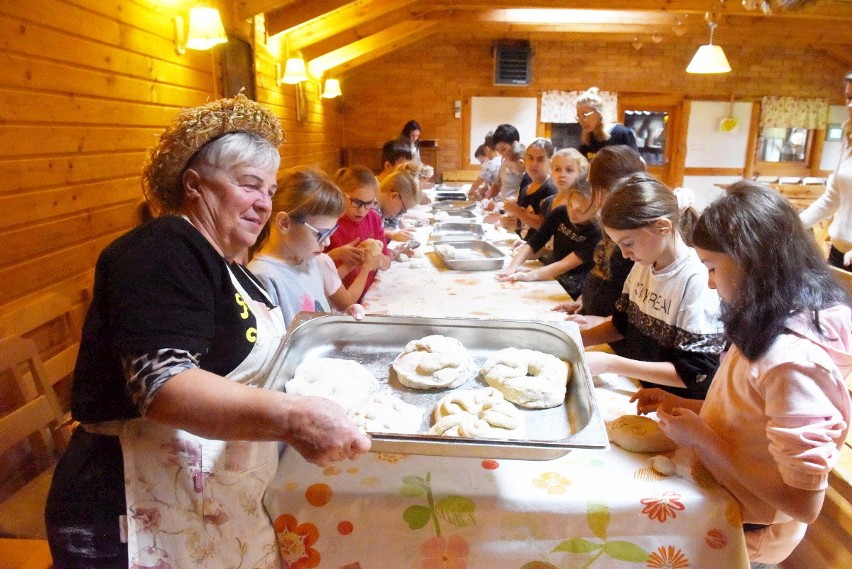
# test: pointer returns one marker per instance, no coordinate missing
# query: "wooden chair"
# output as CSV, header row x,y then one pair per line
x,y
844,277
36,419
49,308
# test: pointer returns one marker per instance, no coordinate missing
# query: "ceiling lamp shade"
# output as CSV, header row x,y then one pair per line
x,y
709,58
295,71
332,89
205,28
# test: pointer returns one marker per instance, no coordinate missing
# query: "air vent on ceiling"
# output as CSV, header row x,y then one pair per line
x,y
512,62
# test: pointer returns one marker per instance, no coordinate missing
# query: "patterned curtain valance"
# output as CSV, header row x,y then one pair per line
x,y
789,112
561,106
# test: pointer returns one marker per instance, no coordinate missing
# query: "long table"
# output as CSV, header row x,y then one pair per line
x,y
598,509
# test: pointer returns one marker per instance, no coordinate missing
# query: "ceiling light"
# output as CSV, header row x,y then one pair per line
x,y
205,30
709,58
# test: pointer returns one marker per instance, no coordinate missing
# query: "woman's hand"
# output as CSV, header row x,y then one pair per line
x,y
653,399
321,432
568,307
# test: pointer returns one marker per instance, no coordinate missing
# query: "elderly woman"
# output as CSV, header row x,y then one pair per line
x,y
596,133
178,427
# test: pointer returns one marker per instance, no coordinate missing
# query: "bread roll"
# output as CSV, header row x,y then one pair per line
x,y
638,434
373,247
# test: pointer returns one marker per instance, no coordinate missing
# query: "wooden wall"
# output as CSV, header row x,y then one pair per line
x,y
85,87
421,81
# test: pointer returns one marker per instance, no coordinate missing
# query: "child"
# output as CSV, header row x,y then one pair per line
x,y
526,209
397,193
490,160
508,182
359,222
666,315
574,234
513,166
290,261
606,279
778,410
566,166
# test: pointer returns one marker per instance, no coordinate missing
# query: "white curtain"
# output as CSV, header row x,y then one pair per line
x,y
561,106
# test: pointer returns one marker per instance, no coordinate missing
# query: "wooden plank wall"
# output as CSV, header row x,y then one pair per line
x,y
85,88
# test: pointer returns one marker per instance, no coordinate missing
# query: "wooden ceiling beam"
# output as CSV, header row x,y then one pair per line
x,y
297,13
347,17
371,47
244,9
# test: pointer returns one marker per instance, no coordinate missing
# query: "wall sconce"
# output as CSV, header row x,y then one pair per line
x,y
709,58
205,30
294,71
332,89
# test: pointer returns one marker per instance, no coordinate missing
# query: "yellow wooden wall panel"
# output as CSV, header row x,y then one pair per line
x,y
28,106
35,274
49,77
26,38
34,206
38,173
39,239
56,140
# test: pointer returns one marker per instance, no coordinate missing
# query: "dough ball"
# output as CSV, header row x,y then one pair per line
x,y
372,246
638,434
528,378
477,413
386,413
345,382
433,361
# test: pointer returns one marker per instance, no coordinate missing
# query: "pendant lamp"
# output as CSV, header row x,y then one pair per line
x,y
709,58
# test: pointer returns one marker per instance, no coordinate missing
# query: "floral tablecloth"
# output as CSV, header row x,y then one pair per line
x,y
598,509
586,509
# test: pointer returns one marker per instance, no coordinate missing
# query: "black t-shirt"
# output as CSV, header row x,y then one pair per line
x,y
619,134
606,279
567,238
535,199
162,285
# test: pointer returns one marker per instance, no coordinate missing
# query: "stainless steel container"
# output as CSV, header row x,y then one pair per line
x,y
456,231
377,340
480,255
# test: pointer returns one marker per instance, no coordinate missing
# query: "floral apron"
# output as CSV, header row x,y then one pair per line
x,y
195,502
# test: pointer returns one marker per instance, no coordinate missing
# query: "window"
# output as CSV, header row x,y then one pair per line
x,y
784,145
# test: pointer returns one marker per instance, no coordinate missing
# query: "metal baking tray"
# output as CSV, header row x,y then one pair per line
x,y
487,256
444,195
377,340
457,231
453,204
455,214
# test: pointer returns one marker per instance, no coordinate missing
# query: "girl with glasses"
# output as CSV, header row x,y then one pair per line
x,y
290,261
360,221
397,193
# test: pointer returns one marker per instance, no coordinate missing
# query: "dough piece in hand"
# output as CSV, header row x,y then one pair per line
x,y
345,382
372,246
477,413
528,378
638,434
386,413
433,361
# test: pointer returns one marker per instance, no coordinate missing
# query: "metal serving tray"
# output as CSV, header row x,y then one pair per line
x,y
377,340
456,214
488,258
453,204
457,231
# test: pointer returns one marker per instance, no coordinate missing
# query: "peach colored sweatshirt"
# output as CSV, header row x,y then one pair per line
x,y
789,411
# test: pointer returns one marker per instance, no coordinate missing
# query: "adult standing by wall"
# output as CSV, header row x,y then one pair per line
x,y
597,133
410,135
178,426
837,199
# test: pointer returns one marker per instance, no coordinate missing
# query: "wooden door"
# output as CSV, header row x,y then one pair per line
x,y
655,121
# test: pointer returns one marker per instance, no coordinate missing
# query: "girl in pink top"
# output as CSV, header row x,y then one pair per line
x,y
778,409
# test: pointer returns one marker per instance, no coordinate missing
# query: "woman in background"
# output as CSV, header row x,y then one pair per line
x,y
837,199
596,132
